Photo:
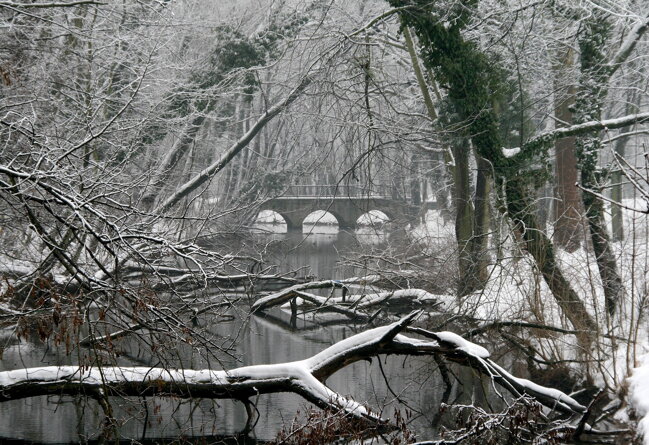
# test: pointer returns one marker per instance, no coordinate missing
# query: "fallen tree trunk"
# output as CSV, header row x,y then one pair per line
x,y
395,297
285,295
304,377
346,304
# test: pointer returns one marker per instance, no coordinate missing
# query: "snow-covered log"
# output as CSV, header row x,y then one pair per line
x,y
364,280
346,304
303,377
396,297
281,297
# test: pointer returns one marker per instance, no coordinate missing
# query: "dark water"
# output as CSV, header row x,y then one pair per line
x,y
256,340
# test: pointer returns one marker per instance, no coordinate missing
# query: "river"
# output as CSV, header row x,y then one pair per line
x,y
256,340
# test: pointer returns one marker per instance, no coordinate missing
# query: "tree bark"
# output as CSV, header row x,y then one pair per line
x,y
481,214
568,208
464,216
592,92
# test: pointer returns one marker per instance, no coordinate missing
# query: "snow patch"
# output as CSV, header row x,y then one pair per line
x,y
639,397
511,152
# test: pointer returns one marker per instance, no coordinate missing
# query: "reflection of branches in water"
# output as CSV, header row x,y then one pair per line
x,y
306,325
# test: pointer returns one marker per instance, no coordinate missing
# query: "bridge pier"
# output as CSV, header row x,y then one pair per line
x,y
293,222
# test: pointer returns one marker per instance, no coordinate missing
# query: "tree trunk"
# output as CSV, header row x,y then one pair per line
x,y
617,220
617,188
464,217
568,208
415,182
593,89
542,250
464,68
481,212
161,175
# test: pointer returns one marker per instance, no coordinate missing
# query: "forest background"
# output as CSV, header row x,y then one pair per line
x,y
133,132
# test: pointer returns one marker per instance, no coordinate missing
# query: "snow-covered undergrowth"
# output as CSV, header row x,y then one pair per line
x,y
639,396
516,291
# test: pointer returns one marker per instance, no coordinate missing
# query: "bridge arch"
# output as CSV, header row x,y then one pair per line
x,y
269,216
293,222
321,216
374,217
346,219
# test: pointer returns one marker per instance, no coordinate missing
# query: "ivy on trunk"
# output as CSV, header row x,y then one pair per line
x,y
472,80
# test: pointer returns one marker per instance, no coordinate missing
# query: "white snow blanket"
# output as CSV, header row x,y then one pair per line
x,y
639,397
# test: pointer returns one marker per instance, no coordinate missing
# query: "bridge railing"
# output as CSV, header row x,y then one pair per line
x,y
343,191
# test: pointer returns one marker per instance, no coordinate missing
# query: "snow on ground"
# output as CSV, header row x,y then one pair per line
x,y
639,397
516,291
435,230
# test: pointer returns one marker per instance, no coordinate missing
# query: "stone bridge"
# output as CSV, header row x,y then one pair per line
x,y
298,203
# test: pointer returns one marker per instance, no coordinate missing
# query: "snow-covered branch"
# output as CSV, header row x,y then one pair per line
x,y
351,305
303,377
49,4
544,139
628,44
285,295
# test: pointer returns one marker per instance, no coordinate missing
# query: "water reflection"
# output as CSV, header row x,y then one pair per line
x,y
310,253
256,341
320,229
318,247
371,235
